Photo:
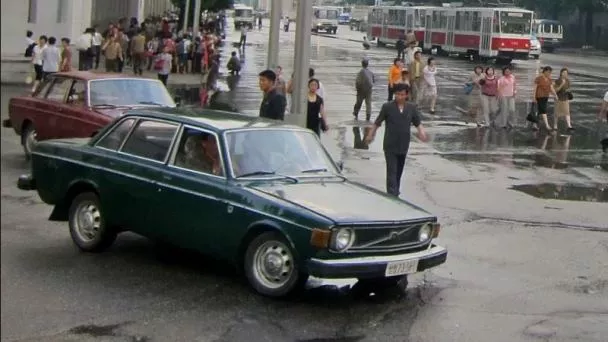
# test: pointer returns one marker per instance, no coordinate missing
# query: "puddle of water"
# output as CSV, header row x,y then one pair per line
x,y
568,192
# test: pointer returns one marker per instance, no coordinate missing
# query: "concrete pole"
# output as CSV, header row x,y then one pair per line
x,y
301,64
197,17
275,30
186,15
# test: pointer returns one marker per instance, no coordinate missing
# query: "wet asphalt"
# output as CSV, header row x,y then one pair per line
x,y
521,267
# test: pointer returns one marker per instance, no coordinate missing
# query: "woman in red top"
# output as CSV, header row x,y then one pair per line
x,y
66,55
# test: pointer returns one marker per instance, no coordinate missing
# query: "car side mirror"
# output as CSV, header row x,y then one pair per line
x,y
177,100
341,166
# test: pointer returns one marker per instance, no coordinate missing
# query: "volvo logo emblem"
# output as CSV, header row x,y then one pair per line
x,y
393,235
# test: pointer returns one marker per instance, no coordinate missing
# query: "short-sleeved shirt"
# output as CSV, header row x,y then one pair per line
x,y
606,97
398,123
51,59
543,86
273,105
166,58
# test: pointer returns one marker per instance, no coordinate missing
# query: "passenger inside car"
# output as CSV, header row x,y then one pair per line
x,y
199,152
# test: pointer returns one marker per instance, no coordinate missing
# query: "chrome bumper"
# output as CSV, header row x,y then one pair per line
x,y
374,266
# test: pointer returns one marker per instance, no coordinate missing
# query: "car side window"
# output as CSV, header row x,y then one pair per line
x,y
151,140
59,89
44,88
114,139
199,151
77,95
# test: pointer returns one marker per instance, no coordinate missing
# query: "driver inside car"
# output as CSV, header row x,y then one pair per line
x,y
201,154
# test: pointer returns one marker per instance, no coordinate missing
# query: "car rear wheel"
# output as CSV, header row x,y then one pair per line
x,y
28,140
88,226
271,267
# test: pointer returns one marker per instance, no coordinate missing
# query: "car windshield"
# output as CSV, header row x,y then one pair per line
x,y
129,92
326,14
515,23
277,152
243,13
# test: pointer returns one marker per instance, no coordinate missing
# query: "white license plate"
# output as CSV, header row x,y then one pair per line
x,y
401,267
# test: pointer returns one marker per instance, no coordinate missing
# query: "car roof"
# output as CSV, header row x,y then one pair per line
x,y
90,75
215,120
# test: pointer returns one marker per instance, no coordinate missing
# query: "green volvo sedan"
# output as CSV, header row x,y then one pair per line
x,y
260,194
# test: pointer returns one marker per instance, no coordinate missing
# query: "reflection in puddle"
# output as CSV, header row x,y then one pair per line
x,y
568,192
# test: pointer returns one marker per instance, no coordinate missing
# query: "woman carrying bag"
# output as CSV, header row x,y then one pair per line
x,y
542,90
562,103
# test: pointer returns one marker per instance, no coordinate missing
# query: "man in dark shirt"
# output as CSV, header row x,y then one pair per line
x,y
399,116
274,103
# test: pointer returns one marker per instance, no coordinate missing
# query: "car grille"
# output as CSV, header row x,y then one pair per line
x,y
388,238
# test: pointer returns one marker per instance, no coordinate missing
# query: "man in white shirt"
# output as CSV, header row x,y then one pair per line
x,y
51,58
37,61
97,40
84,45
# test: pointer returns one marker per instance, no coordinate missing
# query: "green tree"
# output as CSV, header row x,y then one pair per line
x,y
209,5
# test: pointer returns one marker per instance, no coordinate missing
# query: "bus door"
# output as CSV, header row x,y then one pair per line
x,y
485,43
450,34
428,31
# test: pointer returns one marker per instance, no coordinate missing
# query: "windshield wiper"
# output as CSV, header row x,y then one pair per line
x,y
323,170
151,103
314,171
266,173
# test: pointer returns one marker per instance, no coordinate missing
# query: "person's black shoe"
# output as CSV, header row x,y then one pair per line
x,y
604,145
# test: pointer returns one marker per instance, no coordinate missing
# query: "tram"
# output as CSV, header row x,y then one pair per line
x,y
480,32
549,32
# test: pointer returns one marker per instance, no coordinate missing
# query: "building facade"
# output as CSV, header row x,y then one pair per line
x,y
58,18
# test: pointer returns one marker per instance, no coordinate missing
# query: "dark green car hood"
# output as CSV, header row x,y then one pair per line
x,y
345,202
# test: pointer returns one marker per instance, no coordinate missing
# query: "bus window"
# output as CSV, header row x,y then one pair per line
x,y
515,22
436,20
401,17
476,25
496,26
458,24
420,18
444,19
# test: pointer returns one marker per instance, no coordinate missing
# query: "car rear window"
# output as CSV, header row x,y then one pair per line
x,y
151,140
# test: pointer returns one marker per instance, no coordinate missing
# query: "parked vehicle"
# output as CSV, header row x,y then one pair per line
x,y
243,16
550,33
344,19
325,18
535,47
263,195
79,104
484,33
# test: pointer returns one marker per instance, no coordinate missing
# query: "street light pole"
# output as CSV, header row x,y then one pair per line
x,y
186,15
301,64
275,30
197,17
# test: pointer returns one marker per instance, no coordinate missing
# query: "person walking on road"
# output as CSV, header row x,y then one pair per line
x,y
364,85
430,83
507,90
489,96
315,115
562,102
415,71
273,104
394,74
475,92
243,40
399,115
603,115
138,51
400,45
542,90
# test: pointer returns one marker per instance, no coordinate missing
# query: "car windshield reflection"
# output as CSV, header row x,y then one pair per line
x,y
129,92
274,152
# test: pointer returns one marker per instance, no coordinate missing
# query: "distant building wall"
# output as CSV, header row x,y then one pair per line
x,y
106,11
58,18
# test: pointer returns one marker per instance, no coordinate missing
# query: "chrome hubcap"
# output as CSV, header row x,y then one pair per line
x,y
31,140
87,221
273,264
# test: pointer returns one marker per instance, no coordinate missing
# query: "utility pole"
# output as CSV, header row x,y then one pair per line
x,y
197,17
301,64
186,15
276,11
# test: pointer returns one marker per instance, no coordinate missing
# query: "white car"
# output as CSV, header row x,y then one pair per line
x,y
535,48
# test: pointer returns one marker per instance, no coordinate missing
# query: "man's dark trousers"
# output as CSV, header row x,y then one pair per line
x,y
394,170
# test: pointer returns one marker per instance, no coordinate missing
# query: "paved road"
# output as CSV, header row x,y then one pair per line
x,y
521,268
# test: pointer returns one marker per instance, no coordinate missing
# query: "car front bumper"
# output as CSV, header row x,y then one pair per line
x,y
26,182
374,266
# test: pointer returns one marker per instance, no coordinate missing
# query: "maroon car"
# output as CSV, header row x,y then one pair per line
x,y
80,103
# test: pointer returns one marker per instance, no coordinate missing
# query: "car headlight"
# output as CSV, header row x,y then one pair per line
x,y
342,239
425,233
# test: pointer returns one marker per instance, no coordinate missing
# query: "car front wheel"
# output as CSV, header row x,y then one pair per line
x,y
88,227
29,138
270,266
